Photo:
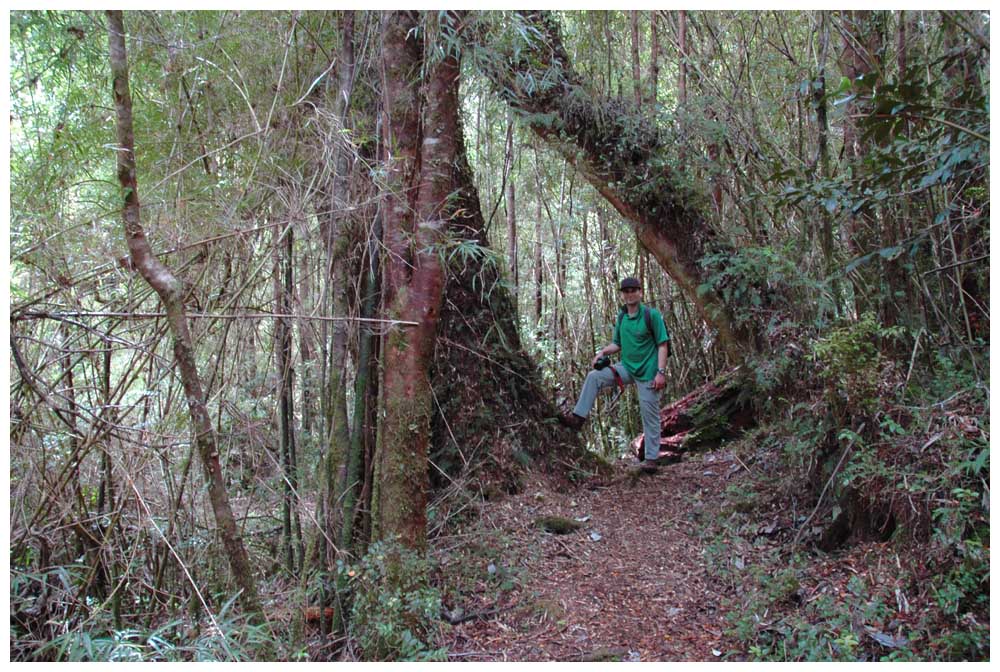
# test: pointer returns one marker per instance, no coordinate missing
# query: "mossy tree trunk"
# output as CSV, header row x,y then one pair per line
x,y
488,391
420,137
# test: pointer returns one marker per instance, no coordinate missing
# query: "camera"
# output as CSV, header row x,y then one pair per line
x,y
602,363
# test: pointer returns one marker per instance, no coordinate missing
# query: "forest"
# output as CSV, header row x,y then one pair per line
x,y
298,300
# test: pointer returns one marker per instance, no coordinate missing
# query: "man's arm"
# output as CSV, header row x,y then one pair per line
x,y
662,350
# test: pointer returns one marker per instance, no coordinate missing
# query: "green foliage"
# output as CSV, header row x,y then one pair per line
x,y
395,610
227,636
951,373
757,282
851,363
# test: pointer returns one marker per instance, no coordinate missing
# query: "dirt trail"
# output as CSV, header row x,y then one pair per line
x,y
629,585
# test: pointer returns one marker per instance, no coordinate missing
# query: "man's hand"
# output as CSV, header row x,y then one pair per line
x,y
606,350
659,382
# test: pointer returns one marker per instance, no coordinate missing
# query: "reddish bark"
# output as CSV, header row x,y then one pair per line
x,y
414,280
718,409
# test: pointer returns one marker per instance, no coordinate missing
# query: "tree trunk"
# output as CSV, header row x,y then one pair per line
x,y
636,70
902,49
588,285
170,291
489,391
511,214
362,384
822,137
538,248
414,276
282,357
654,57
336,240
307,350
619,152
682,58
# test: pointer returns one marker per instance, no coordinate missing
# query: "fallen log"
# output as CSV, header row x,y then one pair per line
x,y
719,409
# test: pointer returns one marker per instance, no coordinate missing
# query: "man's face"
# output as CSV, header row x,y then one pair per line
x,y
631,296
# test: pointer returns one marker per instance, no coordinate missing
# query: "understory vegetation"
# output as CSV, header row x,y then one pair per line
x,y
886,556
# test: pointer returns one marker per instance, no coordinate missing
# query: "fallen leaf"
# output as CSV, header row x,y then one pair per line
x,y
886,640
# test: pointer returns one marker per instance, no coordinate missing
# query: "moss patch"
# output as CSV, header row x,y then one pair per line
x,y
557,524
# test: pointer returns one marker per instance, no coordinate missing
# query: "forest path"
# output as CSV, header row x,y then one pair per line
x,y
630,584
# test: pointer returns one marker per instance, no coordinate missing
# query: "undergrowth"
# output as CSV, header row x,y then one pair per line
x,y
892,563
395,610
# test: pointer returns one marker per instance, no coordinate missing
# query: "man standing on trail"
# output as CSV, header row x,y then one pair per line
x,y
642,338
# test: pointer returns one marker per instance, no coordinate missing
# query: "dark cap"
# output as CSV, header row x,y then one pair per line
x,y
631,283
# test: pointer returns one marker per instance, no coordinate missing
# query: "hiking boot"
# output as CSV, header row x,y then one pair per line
x,y
571,420
649,466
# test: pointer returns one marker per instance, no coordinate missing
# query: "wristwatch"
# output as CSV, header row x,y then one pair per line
x,y
662,371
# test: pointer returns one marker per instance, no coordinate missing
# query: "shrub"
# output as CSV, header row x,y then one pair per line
x,y
395,610
852,364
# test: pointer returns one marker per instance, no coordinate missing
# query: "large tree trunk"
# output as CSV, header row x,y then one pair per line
x,y
170,291
621,153
414,278
488,389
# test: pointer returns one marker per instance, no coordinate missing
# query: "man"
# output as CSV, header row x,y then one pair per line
x,y
645,346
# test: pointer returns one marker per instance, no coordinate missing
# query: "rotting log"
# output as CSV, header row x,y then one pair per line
x,y
717,410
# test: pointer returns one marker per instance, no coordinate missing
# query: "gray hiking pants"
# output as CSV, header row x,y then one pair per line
x,y
649,402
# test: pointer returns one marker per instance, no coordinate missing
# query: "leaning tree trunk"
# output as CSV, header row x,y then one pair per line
x,y
169,289
623,155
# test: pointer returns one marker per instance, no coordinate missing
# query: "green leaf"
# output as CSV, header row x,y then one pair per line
x,y
891,252
980,462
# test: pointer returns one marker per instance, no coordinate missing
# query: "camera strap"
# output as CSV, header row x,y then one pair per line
x,y
618,395
618,379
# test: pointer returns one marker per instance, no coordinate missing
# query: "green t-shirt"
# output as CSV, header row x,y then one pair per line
x,y
638,345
